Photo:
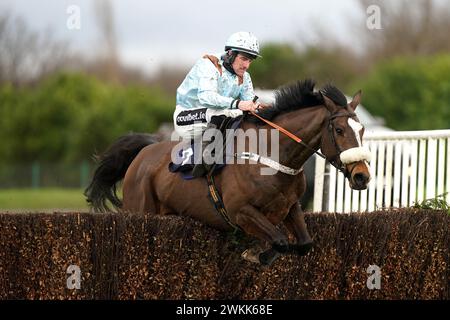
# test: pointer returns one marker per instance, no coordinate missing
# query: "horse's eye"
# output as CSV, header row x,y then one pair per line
x,y
339,131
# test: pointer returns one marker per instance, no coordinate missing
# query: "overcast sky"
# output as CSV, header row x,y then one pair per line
x,y
177,32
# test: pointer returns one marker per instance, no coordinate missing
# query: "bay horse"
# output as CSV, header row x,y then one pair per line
x,y
257,204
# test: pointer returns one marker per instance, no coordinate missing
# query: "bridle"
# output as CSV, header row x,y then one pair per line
x,y
337,164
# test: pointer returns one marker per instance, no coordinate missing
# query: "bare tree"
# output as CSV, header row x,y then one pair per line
x,y
17,45
27,55
419,27
108,39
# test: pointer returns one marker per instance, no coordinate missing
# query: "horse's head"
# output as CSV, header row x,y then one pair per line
x,y
342,141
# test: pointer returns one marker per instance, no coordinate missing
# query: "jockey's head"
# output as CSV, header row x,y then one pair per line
x,y
241,49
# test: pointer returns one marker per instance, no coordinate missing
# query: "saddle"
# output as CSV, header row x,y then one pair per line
x,y
185,158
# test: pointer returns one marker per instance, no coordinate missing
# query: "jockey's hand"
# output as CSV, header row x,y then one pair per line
x,y
248,105
263,106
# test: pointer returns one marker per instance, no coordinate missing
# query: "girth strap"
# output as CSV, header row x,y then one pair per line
x,y
216,199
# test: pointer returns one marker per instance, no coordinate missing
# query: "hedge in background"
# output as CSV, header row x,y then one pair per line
x,y
145,257
71,116
410,93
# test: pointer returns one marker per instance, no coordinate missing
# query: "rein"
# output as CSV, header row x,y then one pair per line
x,y
299,140
288,133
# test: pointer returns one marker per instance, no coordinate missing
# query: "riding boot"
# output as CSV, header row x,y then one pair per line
x,y
203,168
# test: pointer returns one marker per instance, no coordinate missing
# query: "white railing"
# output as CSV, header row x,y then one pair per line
x,y
406,167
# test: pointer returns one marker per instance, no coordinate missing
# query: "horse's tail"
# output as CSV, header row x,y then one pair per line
x,y
112,166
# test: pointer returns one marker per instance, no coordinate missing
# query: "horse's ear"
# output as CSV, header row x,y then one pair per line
x,y
328,103
356,100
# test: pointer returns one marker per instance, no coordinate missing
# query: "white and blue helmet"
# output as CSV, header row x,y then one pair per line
x,y
243,42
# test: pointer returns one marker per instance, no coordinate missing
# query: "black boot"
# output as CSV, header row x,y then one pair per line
x,y
202,169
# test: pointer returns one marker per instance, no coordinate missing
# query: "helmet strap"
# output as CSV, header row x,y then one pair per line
x,y
228,59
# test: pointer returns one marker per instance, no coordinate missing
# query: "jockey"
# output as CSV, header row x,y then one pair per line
x,y
217,85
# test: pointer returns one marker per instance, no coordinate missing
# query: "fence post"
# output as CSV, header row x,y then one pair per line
x,y
35,175
319,184
84,174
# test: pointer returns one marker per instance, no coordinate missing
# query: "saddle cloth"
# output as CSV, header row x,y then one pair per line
x,y
184,163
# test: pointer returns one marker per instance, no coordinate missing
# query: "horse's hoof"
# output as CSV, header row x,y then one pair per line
x,y
303,249
281,246
251,255
268,257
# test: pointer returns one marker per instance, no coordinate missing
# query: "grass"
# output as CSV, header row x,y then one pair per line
x,y
437,203
45,199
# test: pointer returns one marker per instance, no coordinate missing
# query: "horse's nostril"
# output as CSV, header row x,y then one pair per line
x,y
360,178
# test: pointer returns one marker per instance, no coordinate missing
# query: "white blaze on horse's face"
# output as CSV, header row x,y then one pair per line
x,y
359,153
356,126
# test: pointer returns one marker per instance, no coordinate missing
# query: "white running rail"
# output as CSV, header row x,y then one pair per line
x,y
406,167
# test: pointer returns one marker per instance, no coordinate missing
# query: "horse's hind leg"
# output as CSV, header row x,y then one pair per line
x,y
295,222
256,224
138,196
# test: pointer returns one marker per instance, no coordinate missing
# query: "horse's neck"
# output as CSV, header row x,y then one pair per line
x,y
306,124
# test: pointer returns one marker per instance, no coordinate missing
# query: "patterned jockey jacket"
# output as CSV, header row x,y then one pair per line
x,y
210,85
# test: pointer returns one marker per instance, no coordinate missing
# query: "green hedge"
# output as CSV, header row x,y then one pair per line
x,y
410,93
142,257
68,117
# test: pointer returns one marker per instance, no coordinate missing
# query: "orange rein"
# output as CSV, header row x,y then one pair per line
x,y
281,129
288,133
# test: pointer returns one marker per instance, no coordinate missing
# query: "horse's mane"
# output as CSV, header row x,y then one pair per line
x,y
299,95
335,95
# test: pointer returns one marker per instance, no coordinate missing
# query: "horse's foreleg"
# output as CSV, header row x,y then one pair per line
x,y
295,222
256,224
